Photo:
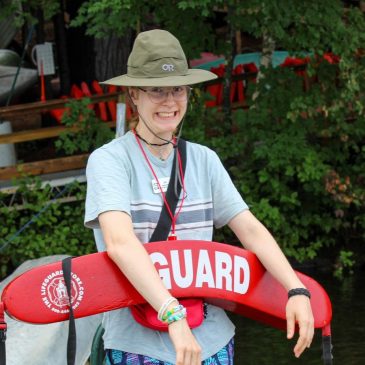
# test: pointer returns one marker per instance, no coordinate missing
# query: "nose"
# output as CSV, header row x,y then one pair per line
x,y
169,97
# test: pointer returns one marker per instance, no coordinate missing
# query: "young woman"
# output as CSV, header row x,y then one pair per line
x,y
124,200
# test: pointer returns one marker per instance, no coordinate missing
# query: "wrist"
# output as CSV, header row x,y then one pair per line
x,y
175,314
171,311
168,304
299,291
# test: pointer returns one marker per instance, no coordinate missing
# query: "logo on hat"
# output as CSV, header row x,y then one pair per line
x,y
168,67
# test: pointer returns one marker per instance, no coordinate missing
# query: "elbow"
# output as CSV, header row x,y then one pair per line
x,y
249,230
112,252
114,246
117,245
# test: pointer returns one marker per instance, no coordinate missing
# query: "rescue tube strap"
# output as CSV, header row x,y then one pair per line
x,y
71,341
2,334
327,350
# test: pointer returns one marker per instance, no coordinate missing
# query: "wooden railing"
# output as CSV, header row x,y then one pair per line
x,y
71,162
50,165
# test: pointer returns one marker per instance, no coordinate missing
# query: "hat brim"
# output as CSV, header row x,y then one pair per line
x,y
194,76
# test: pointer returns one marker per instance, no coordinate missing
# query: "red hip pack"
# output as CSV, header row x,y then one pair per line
x,y
145,315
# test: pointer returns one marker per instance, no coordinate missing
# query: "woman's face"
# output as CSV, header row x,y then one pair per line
x,y
162,108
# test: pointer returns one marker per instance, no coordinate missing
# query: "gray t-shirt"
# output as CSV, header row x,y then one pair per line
x,y
118,178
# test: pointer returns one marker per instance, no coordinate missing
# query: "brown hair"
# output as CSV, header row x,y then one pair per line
x,y
134,119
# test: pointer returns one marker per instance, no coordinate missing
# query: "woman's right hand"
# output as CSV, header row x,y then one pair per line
x,y
188,350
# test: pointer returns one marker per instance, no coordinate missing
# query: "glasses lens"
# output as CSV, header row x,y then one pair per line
x,y
180,93
159,94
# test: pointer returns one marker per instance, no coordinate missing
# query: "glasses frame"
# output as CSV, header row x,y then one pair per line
x,y
188,93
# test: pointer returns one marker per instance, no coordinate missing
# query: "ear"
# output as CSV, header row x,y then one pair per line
x,y
133,93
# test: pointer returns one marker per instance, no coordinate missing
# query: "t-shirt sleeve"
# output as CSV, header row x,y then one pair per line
x,y
227,201
108,186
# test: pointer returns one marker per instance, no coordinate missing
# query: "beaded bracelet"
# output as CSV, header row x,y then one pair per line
x,y
299,291
164,307
172,311
177,316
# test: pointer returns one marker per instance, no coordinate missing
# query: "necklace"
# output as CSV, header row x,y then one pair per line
x,y
153,144
160,152
173,217
160,148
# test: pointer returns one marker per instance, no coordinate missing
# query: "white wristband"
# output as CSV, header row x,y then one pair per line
x,y
164,307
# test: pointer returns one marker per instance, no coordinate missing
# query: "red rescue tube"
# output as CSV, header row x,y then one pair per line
x,y
227,276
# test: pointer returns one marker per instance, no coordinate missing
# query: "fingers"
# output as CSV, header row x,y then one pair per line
x,y
188,356
188,351
196,356
300,311
302,342
306,332
290,325
180,357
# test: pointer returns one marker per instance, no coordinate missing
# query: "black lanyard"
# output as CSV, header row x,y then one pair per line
x,y
163,226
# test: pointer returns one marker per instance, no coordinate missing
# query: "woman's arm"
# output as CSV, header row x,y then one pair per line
x,y
124,248
255,237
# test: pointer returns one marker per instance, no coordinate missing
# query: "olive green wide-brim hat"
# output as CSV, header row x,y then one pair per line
x,y
157,59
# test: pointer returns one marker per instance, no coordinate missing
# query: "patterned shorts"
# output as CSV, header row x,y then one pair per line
x,y
115,357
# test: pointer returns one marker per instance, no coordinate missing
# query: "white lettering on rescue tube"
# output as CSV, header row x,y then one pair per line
x,y
226,272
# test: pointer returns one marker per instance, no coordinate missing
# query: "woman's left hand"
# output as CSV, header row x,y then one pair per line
x,y
299,310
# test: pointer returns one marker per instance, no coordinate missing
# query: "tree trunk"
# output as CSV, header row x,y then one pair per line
x,y
231,40
92,58
80,48
62,54
268,48
111,55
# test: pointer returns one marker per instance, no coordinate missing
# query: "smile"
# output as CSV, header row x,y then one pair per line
x,y
166,114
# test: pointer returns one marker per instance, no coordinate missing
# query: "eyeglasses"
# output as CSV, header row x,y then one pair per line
x,y
160,94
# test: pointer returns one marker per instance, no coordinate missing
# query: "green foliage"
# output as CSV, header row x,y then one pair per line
x,y
183,25
345,263
105,17
86,131
305,25
56,228
24,10
299,166
297,154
